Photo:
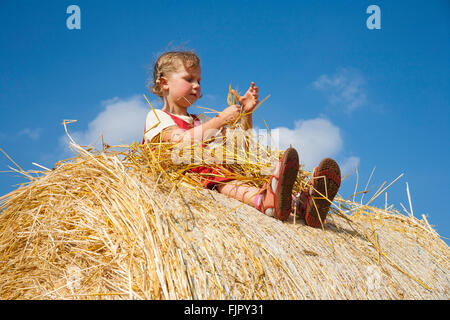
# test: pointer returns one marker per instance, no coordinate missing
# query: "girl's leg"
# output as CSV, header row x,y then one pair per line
x,y
276,198
239,191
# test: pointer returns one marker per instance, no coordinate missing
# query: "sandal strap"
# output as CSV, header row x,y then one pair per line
x,y
259,200
268,187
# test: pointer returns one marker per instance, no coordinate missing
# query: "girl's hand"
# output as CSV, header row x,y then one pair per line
x,y
250,99
230,114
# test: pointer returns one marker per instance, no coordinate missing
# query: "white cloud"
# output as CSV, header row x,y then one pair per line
x,y
314,139
33,134
348,165
345,89
120,122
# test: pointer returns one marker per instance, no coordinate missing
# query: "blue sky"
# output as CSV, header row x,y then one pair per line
x,y
368,98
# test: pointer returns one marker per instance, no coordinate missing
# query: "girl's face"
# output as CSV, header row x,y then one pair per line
x,y
183,86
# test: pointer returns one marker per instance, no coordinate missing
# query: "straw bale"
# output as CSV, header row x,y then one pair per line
x,y
130,225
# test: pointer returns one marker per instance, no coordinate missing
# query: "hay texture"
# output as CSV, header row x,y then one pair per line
x,y
122,225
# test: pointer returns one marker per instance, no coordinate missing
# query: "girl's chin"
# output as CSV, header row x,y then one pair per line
x,y
185,104
187,100
191,99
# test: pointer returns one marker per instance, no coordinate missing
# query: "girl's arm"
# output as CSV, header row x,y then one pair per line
x,y
247,121
208,129
248,102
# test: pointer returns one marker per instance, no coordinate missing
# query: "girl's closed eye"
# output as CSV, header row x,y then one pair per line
x,y
192,80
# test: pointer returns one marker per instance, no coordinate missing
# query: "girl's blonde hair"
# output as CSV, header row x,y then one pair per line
x,y
169,62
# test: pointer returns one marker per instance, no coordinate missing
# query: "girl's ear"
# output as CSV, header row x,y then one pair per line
x,y
163,83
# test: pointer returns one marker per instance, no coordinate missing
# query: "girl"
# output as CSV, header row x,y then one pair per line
x,y
176,79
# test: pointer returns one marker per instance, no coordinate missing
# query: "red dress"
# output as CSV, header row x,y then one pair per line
x,y
213,174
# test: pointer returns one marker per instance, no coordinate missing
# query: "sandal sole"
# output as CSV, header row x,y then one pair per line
x,y
318,207
288,176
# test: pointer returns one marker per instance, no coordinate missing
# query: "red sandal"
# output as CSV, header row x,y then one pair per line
x,y
280,187
313,205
